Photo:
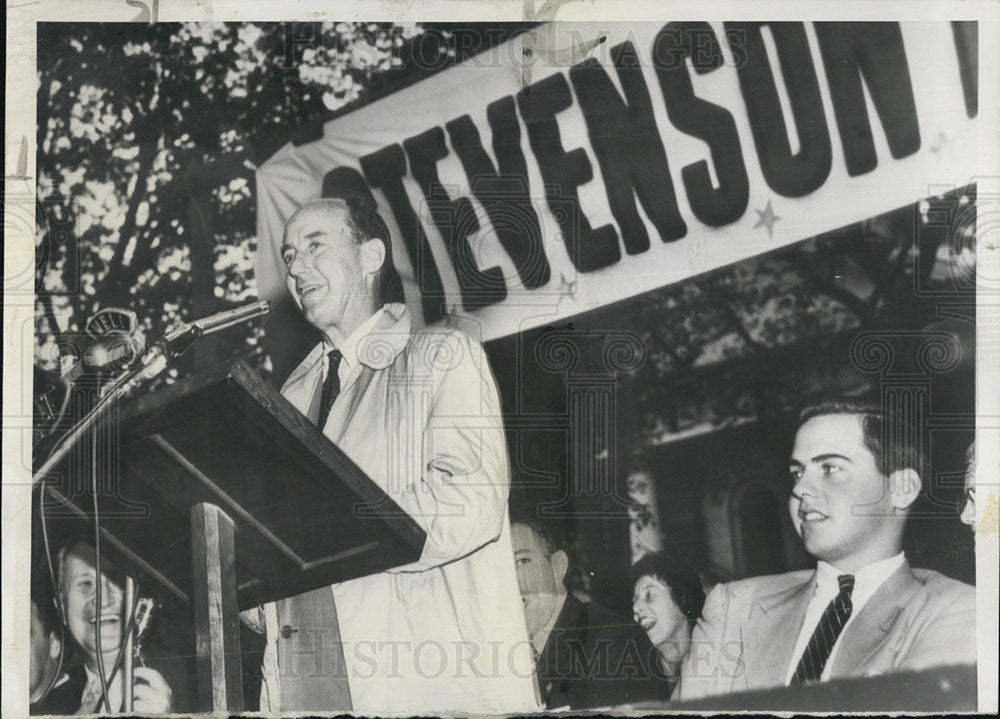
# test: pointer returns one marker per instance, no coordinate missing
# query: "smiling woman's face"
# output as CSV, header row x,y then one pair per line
x,y
79,593
655,610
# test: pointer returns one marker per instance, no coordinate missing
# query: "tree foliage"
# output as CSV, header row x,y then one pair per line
x,y
149,136
751,340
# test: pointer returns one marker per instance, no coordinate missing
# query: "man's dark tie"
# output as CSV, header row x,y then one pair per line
x,y
831,624
331,386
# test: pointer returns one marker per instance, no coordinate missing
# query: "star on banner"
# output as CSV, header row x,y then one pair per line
x,y
767,218
565,289
939,142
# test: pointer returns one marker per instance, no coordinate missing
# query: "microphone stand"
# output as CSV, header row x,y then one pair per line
x,y
157,358
173,345
117,391
153,363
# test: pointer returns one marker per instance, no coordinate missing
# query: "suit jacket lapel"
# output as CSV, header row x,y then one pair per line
x,y
770,634
872,626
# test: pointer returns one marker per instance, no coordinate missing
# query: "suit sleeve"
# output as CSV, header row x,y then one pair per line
x,y
461,498
948,632
700,672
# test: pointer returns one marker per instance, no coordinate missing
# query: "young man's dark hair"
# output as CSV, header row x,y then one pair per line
x,y
893,442
541,531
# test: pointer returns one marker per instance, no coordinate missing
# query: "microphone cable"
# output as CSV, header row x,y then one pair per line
x,y
97,569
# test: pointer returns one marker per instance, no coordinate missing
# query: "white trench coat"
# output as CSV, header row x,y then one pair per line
x,y
419,413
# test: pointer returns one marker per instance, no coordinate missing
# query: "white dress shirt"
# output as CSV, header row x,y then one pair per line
x,y
867,580
349,350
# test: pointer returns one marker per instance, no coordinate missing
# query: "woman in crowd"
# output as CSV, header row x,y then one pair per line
x,y
666,602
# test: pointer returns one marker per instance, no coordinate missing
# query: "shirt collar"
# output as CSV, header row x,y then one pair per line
x,y
349,347
378,349
91,674
378,344
93,684
867,580
61,678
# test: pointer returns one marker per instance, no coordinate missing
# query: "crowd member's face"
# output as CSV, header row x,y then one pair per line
x,y
323,265
840,501
655,610
43,655
968,515
538,577
79,594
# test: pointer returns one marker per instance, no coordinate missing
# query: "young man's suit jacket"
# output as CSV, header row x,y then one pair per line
x,y
748,631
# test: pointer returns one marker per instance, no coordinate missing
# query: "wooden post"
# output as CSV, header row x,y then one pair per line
x,y
220,675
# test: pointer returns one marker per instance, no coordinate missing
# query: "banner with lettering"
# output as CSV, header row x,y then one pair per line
x,y
581,164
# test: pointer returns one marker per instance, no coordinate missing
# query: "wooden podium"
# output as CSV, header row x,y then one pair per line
x,y
225,496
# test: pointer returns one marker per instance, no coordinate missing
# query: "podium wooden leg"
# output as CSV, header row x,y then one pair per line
x,y
220,674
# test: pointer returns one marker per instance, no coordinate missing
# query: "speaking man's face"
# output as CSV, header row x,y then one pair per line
x,y
323,265
79,595
840,504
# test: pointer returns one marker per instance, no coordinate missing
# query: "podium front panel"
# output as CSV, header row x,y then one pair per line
x,y
305,514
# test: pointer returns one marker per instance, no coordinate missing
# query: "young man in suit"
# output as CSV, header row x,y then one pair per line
x,y
855,474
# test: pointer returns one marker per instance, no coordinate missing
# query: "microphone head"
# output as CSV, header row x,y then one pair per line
x,y
116,352
97,355
118,339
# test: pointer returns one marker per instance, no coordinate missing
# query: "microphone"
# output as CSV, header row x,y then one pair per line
x,y
179,340
121,350
227,318
117,339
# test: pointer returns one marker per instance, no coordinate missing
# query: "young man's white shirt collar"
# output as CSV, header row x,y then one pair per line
x,y
867,581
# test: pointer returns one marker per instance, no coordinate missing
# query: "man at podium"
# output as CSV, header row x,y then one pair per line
x,y
418,411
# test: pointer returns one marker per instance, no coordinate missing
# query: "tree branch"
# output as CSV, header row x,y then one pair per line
x,y
50,314
844,296
737,324
119,278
